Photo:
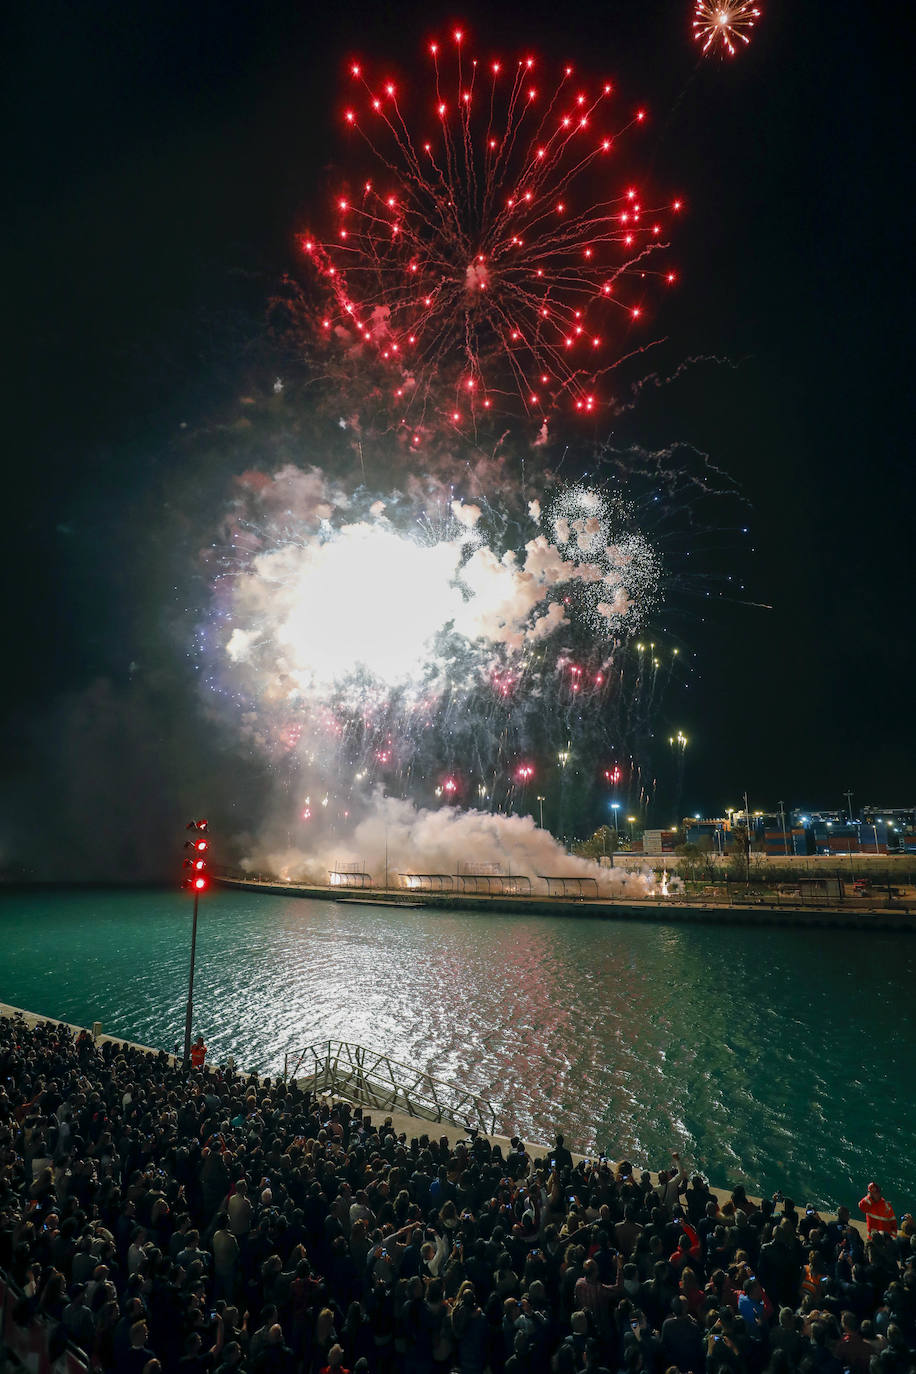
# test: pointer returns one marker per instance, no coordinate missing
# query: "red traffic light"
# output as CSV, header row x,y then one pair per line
x,y
198,879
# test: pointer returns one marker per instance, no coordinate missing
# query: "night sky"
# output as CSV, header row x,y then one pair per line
x,y
162,160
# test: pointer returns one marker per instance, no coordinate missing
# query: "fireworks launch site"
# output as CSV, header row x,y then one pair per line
x,y
457,632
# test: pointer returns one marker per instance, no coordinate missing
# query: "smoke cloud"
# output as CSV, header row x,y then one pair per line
x,y
411,841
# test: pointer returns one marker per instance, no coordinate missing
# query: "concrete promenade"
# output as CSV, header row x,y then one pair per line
x,y
419,1125
855,914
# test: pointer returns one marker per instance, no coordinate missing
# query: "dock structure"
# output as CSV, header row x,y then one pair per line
x,y
515,895
373,1079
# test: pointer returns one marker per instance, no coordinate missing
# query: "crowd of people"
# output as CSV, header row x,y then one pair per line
x,y
173,1221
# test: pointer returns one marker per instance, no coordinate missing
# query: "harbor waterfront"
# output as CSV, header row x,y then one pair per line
x,y
821,913
778,1058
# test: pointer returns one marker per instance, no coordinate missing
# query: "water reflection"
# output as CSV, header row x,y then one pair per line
x,y
763,1055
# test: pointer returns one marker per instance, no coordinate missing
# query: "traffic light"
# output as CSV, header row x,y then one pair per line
x,y
196,865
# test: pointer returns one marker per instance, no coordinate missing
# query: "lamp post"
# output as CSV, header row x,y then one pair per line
x,y
540,801
523,774
747,836
615,807
563,761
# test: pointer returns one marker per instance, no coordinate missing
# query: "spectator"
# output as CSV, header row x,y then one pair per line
x,y
78,1320
682,1338
240,1211
170,1197
138,1353
225,1258
879,1211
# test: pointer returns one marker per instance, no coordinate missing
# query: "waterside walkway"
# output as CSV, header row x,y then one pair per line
x,y
402,1122
852,914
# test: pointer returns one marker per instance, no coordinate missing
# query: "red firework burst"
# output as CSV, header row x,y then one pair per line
x,y
499,251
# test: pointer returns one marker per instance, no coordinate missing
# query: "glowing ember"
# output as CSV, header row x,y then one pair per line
x,y
486,249
720,27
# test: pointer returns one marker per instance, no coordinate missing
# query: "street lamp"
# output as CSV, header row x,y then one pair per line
x,y
560,811
540,801
615,807
523,775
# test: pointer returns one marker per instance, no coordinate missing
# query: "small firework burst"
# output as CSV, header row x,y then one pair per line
x,y
720,25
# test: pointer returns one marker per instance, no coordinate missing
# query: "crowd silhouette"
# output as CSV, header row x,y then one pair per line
x,y
174,1222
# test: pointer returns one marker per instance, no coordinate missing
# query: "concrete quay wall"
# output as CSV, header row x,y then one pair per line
x,y
666,909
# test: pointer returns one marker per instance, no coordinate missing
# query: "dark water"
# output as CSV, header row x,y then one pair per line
x,y
778,1058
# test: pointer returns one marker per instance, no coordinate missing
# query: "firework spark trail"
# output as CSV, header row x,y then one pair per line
x,y
490,259
656,381
370,641
359,573
721,25
422,640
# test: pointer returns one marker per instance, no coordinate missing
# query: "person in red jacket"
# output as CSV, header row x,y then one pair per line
x,y
879,1211
198,1053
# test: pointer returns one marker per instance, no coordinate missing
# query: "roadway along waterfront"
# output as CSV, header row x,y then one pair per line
x,y
777,1057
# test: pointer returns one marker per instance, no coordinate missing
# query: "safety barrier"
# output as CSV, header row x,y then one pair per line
x,y
370,1078
32,1341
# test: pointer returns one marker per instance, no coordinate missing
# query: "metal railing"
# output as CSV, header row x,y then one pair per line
x,y
370,1078
36,1341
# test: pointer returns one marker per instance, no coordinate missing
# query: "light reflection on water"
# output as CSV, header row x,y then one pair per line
x,y
780,1058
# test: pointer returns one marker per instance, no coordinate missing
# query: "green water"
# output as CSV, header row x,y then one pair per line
x,y
777,1058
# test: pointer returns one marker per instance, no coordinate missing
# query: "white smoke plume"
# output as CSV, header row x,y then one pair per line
x,y
445,842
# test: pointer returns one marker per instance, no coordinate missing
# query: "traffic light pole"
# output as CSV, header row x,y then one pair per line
x,y
198,882
190,1010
